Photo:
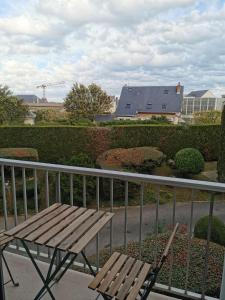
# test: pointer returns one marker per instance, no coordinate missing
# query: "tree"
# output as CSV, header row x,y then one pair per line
x,y
11,108
221,160
87,102
207,117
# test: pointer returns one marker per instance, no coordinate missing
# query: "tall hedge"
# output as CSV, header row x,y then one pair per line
x,y
55,143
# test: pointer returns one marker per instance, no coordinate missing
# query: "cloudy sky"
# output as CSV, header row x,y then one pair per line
x,y
112,43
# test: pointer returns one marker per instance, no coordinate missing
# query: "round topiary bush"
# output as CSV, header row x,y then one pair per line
x,y
189,161
217,232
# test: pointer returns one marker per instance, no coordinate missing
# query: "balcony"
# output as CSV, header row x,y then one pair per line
x,y
74,283
131,226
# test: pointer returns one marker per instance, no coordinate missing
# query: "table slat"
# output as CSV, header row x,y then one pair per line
x,y
68,242
80,245
6,240
26,231
54,242
61,226
31,220
47,226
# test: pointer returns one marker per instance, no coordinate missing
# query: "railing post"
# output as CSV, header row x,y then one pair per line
x,y
222,291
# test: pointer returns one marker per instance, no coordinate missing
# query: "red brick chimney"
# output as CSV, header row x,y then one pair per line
x,y
178,88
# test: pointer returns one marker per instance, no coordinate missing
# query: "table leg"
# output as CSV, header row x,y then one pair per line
x,y
2,289
89,265
53,275
37,268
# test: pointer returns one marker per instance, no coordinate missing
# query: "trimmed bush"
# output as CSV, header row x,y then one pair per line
x,y
217,233
19,153
189,161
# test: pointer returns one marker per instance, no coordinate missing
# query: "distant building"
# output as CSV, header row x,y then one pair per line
x,y
30,99
198,101
143,102
201,94
58,106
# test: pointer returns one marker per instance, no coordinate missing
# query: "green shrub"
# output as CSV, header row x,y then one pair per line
x,y
80,160
154,120
189,161
217,232
19,153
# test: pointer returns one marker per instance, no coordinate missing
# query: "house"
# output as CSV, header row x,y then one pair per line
x,y
201,94
143,102
57,106
197,101
29,98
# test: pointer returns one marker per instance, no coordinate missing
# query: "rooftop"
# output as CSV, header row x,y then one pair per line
x,y
149,99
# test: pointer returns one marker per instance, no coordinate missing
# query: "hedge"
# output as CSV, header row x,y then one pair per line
x,y
61,142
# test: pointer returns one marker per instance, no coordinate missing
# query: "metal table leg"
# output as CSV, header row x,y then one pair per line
x,y
37,268
54,274
2,290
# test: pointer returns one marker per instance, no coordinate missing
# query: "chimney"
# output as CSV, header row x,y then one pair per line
x,y
178,88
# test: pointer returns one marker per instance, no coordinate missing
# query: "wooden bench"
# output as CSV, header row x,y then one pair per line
x,y
124,278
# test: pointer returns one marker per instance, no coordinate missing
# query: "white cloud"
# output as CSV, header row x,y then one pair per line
x,y
112,43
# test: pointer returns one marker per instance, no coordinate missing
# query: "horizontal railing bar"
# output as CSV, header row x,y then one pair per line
x,y
170,181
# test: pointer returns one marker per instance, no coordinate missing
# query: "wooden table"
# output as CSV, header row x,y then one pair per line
x,y
63,228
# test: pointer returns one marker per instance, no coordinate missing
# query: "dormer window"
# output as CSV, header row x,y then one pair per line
x,y
164,106
166,92
128,105
149,105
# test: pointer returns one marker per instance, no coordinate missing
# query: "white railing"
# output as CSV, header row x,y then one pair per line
x,y
47,175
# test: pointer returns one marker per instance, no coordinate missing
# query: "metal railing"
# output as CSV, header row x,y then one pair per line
x,y
55,179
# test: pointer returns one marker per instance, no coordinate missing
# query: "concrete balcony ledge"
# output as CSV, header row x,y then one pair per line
x,y
73,286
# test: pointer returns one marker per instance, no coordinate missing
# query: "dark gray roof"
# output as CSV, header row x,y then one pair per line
x,y
197,94
104,118
149,99
29,98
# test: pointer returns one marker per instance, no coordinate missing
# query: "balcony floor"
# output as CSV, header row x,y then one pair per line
x,y
73,286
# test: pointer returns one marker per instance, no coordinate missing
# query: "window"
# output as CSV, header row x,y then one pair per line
x,y
128,105
166,92
164,106
149,106
130,89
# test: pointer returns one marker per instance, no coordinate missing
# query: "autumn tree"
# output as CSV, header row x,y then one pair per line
x,y
11,108
85,102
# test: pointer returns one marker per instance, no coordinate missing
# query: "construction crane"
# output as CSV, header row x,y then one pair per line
x,y
45,85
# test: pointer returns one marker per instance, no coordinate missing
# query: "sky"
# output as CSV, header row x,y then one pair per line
x,y
111,43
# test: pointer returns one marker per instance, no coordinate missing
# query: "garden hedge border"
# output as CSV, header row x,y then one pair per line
x,y
61,142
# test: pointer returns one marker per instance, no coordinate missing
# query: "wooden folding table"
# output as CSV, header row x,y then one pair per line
x,y
63,228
